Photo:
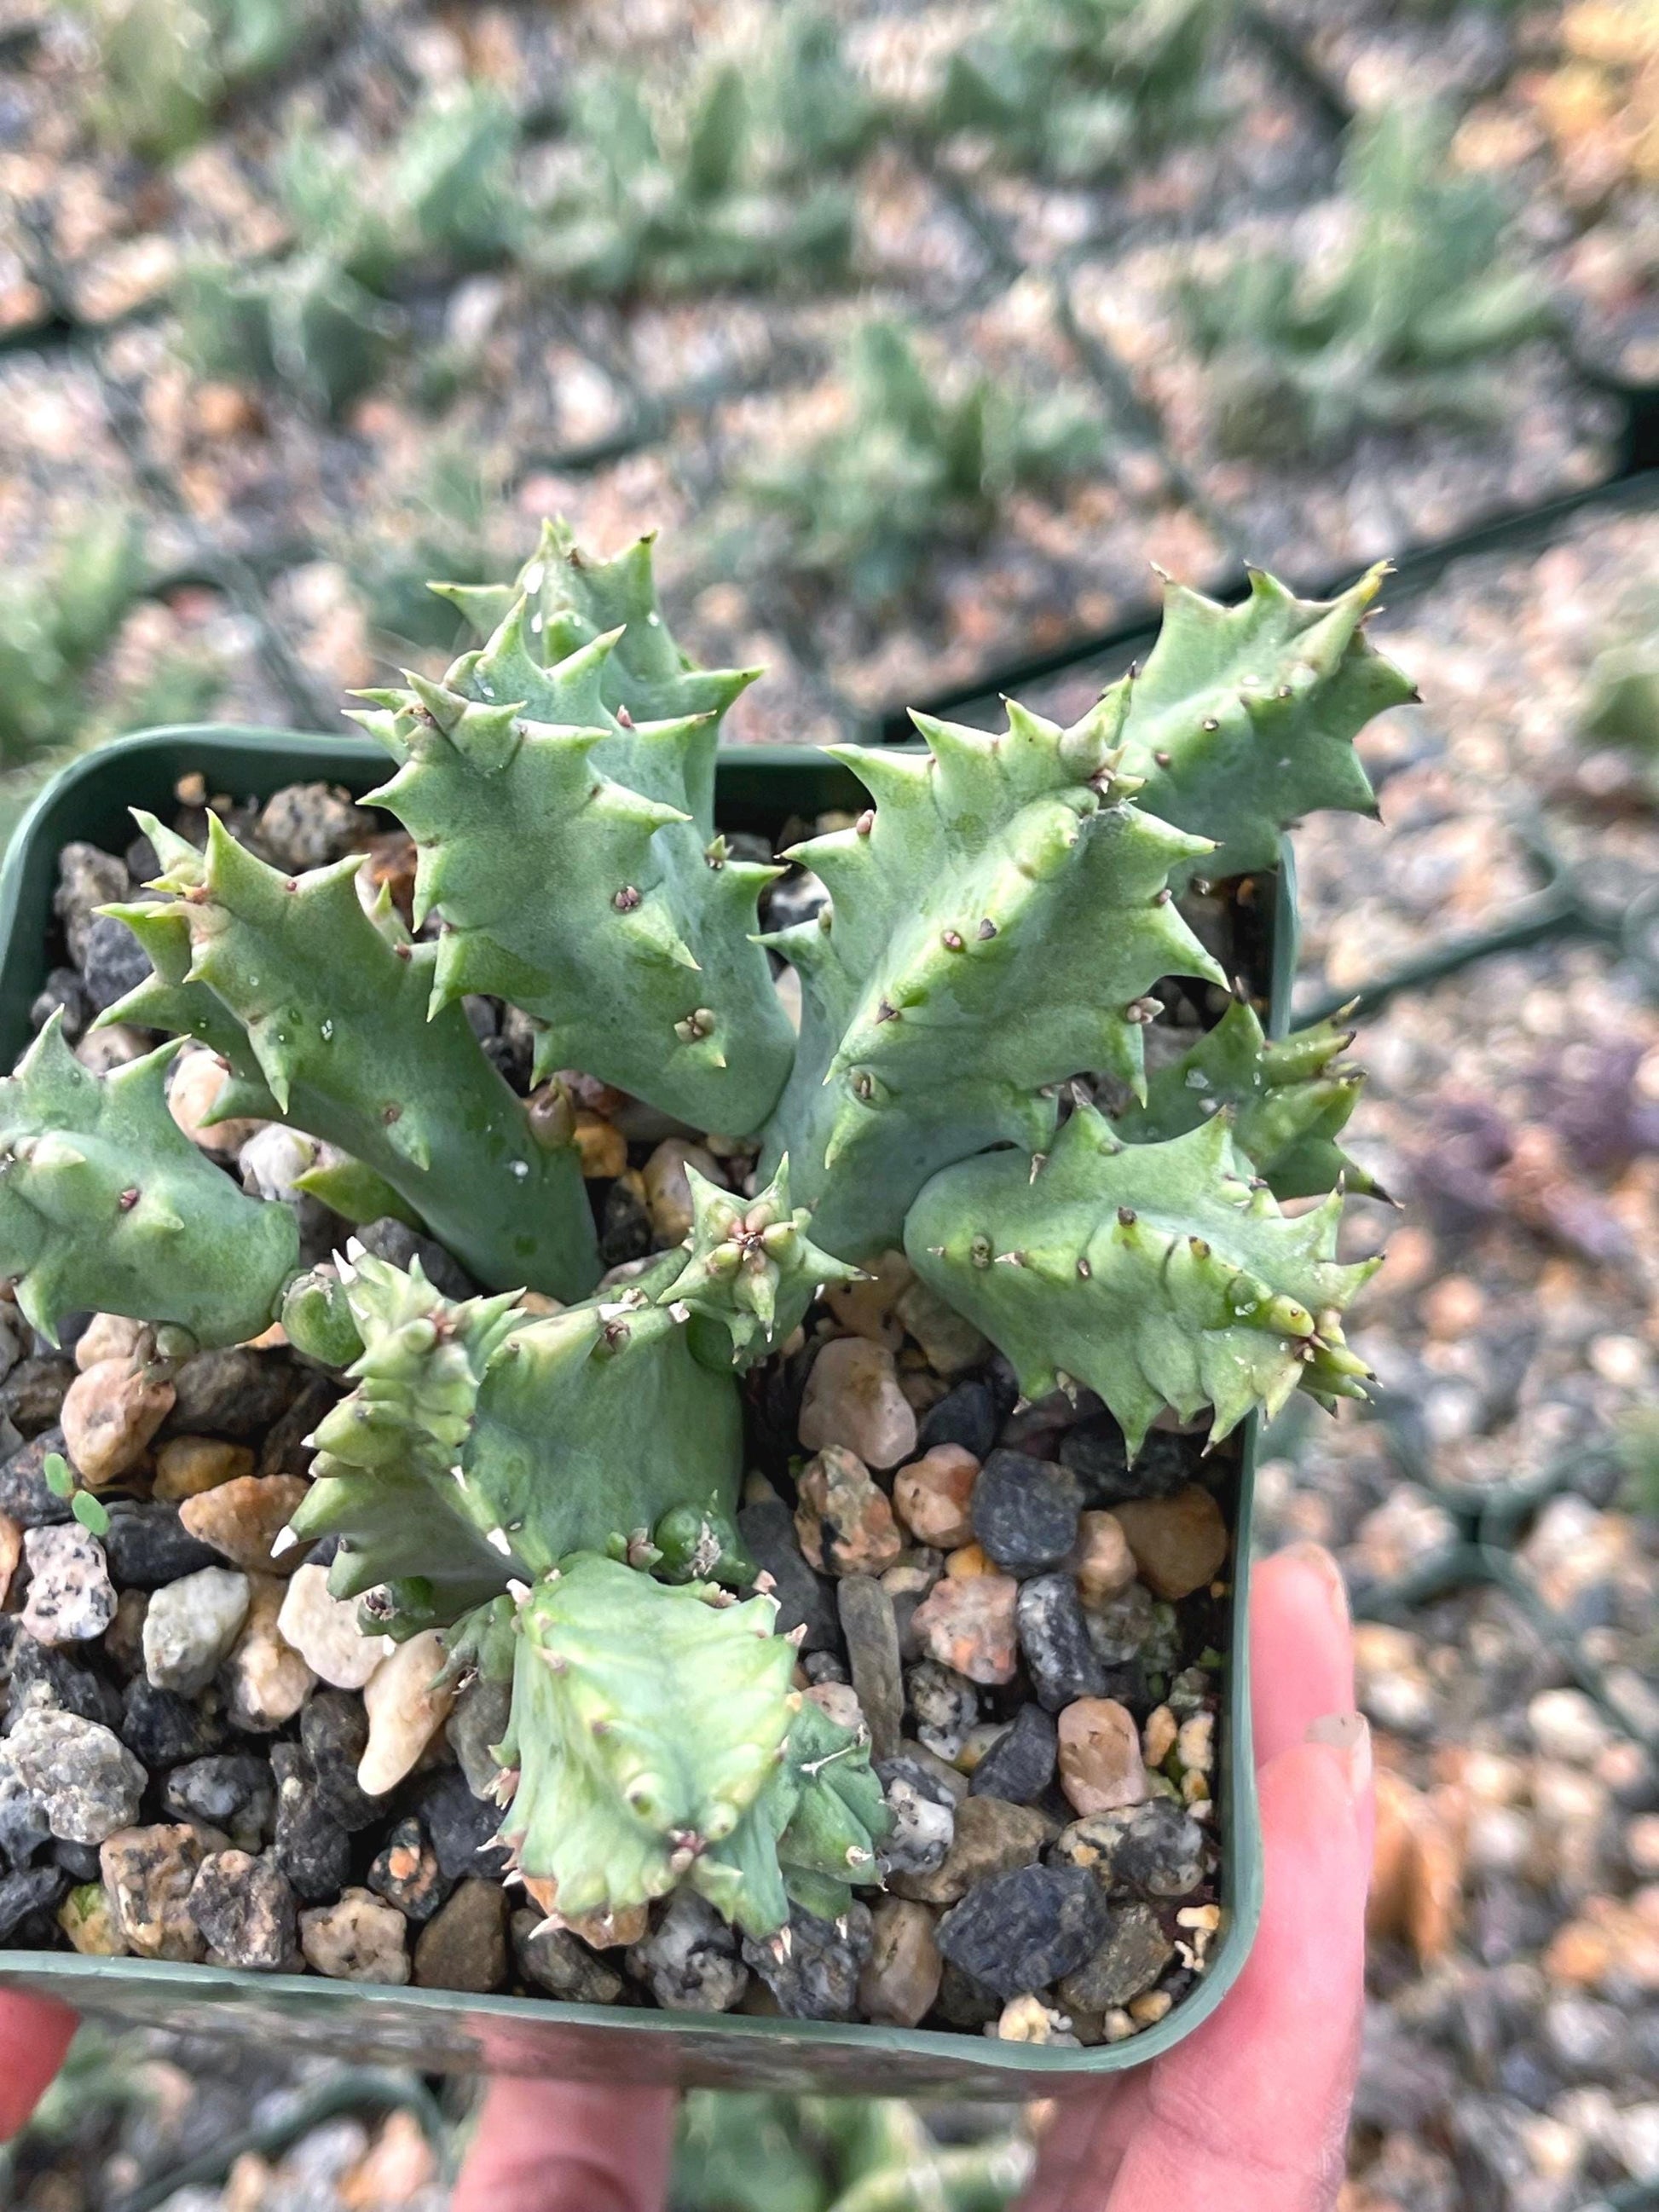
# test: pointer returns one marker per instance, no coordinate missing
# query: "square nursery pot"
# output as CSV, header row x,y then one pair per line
x,y
440,2031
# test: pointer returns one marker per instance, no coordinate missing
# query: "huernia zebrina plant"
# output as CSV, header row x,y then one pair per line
x,y
554,1487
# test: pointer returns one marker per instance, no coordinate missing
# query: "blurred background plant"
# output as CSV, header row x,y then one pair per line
x,y
167,68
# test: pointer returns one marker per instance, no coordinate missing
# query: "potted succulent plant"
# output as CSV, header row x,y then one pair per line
x,y
540,1484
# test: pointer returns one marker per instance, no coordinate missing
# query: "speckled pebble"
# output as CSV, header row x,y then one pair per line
x,y
148,1874
812,1968
71,1596
84,1782
692,1960
406,1873
245,1910
968,1623
1053,1638
556,1962
844,1523
1024,1512
924,1817
359,1938
945,1706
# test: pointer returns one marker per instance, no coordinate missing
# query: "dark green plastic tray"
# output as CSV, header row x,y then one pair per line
x,y
440,2031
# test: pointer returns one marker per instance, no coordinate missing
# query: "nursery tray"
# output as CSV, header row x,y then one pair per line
x,y
442,2030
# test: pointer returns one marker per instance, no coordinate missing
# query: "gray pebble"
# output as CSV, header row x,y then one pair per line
x,y
245,1910
814,1974
234,1791
1024,1512
71,1599
1134,1953
479,1720
945,1706
113,961
923,1813
312,1849
1119,1630
23,1829
307,825
691,1959
1054,1640
1020,1764
32,1396
1095,1452
166,1730
233,1393
43,1675
873,1649
88,877
1021,1931
190,1626
1157,1848
24,1497
805,1599
395,1240
555,1960
84,1780
334,1732
30,1890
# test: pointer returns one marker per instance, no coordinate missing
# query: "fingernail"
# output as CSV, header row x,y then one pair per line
x,y
1320,1562
1350,1737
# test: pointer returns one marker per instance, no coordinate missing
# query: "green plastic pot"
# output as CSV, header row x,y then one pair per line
x,y
440,2031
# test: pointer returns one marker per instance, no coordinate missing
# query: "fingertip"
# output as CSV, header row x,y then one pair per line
x,y
35,2033
1301,1647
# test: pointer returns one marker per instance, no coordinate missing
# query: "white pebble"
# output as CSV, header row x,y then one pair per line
x,y
324,1630
190,1625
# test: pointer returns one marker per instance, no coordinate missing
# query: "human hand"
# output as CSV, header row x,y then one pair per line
x,y
1250,2111
35,2034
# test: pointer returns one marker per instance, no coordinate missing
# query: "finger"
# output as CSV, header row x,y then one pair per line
x,y
1251,2110
562,2147
35,2034
1301,1647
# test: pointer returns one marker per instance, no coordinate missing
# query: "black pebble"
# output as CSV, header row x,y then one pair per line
x,y
1020,1764
334,1730
32,1889
32,1396
418,1893
462,1828
1054,1640
62,990
147,1546
312,1849
162,1728
75,1688
965,1415
1020,1931
234,1393
234,1791
1097,1454
80,1861
395,1242
1024,1512
768,1530
24,1497
625,1227
113,961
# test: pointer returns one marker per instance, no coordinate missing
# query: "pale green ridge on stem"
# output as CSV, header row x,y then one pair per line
x,y
997,921
1243,718
333,1004
106,1204
644,1722
1289,1100
1160,1275
559,785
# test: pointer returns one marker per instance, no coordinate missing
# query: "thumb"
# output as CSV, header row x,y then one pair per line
x,y
562,2146
35,2034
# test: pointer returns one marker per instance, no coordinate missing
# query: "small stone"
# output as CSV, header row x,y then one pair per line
x,y
406,1708
814,1973
805,1600
80,1779
990,1839
464,1946
931,1495
11,1553
945,1706
667,1189
71,1596
1100,1763
396,1242
556,1961
601,1931
265,1680
88,1918
88,877
108,1336
147,1546
243,1518
839,1701
1028,2019
311,1847
692,1959
865,1307
965,1416
166,1730
968,1623
1102,1562
1025,1511
233,1792
272,1160
124,1639
407,1874
109,1415
1179,1543
32,1393
854,1403
30,1890
963,2002
1020,1764
334,1731
924,1812
1134,1953
462,1827
232,1393
24,1496
1022,1930
844,1523
307,825
1195,1744
48,1675
899,1981
195,1084
245,1911
148,1874
1053,1637
186,1466
872,1650
480,1719
190,1625
324,1630
113,961
950,1343
1566,1726
1095,1451
360,1939
1120,1629
23,1828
